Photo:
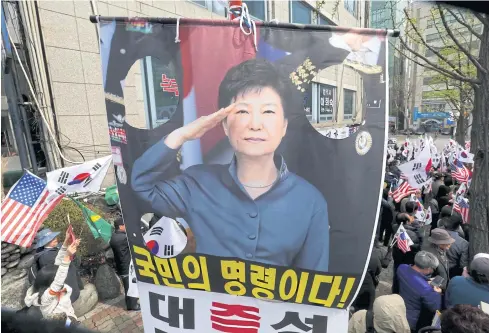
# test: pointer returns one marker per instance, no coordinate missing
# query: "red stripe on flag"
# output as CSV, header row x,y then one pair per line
x,y
208,52
29,238
20,220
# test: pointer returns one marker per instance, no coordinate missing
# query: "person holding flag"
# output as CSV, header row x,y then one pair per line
x,y
407,241
47,250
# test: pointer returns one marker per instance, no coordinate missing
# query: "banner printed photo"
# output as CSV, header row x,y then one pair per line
x,y
272,208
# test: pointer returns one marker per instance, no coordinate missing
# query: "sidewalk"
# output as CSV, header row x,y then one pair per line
x,y
112,316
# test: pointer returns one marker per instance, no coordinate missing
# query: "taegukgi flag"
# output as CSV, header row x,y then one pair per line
x,y
165,239
86,177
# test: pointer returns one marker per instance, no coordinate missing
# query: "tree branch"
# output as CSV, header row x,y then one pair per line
x,y
435,66
429,46
481,17
465,24
463,49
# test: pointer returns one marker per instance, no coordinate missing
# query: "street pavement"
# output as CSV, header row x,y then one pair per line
x,y
112,317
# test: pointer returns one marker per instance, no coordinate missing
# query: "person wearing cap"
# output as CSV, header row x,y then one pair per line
x,y
438,244
458,254
48,247
472,289
122,258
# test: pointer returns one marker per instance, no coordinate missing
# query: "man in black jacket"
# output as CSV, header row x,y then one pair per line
x,y
122,257
386,218
47,250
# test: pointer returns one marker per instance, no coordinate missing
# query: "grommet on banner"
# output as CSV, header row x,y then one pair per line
x,y
177,34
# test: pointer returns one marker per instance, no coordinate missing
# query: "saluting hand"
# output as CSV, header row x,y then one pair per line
x,y
197,128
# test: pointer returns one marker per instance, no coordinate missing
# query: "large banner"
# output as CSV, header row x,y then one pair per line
x,y
267,148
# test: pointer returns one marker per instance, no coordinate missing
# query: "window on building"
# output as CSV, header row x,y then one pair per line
x,y
348,104
257,8
326,103
323,20
162,92
351,7
300,12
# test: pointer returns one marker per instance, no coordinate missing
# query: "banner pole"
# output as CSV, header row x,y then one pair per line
x,y
183,21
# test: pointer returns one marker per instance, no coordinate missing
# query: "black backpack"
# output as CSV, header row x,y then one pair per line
x,y
369,322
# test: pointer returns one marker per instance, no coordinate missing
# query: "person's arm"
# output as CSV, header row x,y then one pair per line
x,y
431,299
170,197
167,197
315,251
447,296
61,274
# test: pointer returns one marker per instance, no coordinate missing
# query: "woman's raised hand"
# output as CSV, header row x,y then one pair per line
x,y
197,128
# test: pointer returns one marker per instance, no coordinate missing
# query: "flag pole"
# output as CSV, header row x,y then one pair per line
x,y
87,218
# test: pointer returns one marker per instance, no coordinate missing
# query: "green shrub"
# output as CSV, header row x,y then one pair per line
x,y
58,221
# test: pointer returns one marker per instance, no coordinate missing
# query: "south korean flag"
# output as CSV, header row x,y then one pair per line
x,y
166,239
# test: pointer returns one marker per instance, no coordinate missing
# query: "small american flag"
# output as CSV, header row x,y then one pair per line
x,y
460,172
25,208
462,207
403,191
403,240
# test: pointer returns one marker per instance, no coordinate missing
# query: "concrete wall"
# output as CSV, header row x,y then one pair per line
x,y
75,70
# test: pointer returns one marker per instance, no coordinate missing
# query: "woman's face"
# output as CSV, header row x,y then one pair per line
x,y
257,124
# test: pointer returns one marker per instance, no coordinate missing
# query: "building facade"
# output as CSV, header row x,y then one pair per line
x,y
63,44
433,93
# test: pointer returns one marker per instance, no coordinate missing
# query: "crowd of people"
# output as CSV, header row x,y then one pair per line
x,y
435,285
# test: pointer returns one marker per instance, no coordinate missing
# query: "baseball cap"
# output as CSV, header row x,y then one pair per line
x,y
481,266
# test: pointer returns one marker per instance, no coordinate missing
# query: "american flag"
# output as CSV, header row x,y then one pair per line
x,y
462,207
25,208
403,191
460,172
403,240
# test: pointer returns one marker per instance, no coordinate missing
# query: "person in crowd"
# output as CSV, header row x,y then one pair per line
x,y
122,257
386,218
366,295
50,292
438,244
387,316
446,212
413,229
458,253
464,318
443,196
448,180
422,300
438,181
48,248
473,288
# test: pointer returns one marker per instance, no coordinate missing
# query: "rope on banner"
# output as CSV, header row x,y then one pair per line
x,y
242,14
177,35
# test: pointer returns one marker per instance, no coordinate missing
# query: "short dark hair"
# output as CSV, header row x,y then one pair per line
x,y
253,75
448,180
446,211
463,318
410,207
453,222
